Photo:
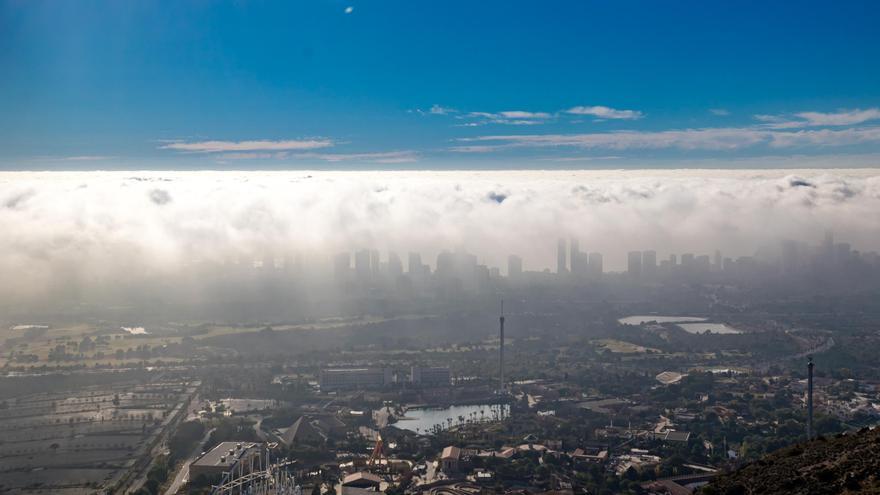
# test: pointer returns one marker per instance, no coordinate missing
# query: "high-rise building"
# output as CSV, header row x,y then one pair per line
x,y
395,266
560,257
457,268
574,255
362,269
374,264
414,265
649,263
514,266
634,263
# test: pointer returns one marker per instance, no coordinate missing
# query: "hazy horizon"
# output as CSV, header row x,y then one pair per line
x,y
75,227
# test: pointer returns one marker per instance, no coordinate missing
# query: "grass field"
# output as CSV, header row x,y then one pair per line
x,y
621,347
113,338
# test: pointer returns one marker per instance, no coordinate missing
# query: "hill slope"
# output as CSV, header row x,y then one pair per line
x,y
843,464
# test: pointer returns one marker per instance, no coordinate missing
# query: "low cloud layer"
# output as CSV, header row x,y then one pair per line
x,y
77,229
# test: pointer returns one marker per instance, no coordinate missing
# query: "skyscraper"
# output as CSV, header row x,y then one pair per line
x,y
649,263
414,265
634,264
395,266
374,264
362,269
560,257
574,255
514,266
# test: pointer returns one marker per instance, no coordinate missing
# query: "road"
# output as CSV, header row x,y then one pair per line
x,y
136,476
183,470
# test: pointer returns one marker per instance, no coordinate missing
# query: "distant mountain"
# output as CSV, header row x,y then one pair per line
x,y
843,464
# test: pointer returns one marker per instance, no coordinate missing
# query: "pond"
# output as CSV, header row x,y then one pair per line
x,y
135,330
423,420
639,319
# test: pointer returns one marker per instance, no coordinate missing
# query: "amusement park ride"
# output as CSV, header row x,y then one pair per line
x,y
378,455
258,475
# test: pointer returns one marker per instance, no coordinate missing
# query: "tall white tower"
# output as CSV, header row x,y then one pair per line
x,y
501,349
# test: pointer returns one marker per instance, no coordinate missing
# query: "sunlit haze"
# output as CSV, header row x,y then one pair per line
x,y
338,247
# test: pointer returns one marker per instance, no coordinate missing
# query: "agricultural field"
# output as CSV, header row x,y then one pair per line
x,y
82,439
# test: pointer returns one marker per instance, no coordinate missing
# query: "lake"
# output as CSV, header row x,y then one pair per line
x,y
422,420
718,328
30,327
639,319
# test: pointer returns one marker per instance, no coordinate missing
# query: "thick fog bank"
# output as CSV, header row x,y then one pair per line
x,y
75,229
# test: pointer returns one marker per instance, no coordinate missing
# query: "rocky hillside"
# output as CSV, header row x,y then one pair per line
x,y
843,464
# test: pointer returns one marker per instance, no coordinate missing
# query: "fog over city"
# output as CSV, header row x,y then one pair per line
x,y
338,247
76,228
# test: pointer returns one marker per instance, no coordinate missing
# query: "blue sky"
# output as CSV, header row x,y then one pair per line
x,y
410,84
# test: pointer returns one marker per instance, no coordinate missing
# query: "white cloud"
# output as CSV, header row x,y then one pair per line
x,y
820,119
75,158
520,114
603,112
527,117
579,158
349,9
850,117
718,139
507,117
405,156
474,149
715,139
721,112
253,155
440,110
259,145
825,137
